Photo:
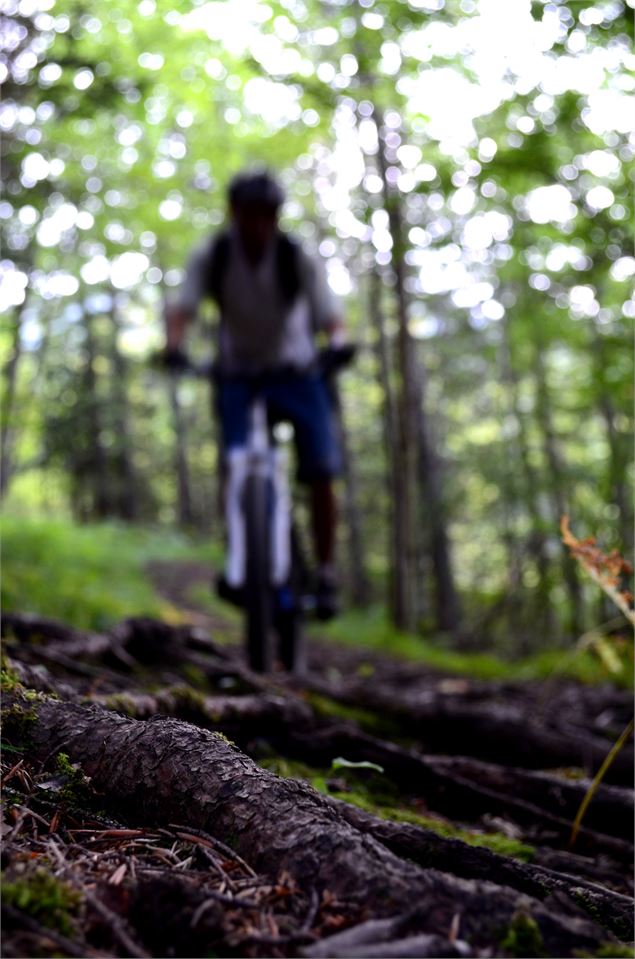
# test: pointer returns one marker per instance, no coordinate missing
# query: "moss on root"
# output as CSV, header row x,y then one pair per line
x,y
46,899
523,939
372,793
610,950
364,718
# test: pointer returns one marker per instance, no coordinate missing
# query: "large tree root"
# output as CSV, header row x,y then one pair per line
x,y
169,771
474,862
468,788
492,727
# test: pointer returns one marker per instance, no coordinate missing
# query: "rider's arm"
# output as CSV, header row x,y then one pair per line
x,y
325,307
176,319
180,313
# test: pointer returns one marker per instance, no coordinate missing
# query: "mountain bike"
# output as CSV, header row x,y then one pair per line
x,y
265,573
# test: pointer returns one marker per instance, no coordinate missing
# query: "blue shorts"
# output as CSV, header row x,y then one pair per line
x,y
302,400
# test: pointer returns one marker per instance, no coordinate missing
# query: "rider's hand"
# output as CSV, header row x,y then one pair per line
x,y
174,359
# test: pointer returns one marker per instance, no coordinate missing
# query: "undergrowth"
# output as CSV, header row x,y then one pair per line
x,y
87,576
371,629
93,575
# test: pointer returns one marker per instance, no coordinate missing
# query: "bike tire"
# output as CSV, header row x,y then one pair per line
x,y
290,624
258,592
290,629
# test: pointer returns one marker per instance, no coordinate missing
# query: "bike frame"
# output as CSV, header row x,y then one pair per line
x,y
259,458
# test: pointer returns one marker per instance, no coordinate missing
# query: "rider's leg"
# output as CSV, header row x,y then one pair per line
x,y
324,522
305,401
232,404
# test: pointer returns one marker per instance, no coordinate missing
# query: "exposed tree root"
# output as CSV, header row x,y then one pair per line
x,y
166,770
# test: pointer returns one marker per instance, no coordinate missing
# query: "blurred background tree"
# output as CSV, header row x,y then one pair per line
x,y
463,168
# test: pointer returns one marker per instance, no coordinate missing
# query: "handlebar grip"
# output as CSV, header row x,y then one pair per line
x,y
175,360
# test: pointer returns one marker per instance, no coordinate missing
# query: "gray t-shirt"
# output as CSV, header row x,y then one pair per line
x,y
259,328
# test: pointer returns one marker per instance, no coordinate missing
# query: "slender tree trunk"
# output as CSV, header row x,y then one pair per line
x,y
127,487
405,403
359,585
446,599
398,519
181,465
94,472
618,463
557,489
536,544
8,403
418,456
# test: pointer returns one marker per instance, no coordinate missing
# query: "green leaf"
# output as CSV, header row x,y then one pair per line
x,y
341,763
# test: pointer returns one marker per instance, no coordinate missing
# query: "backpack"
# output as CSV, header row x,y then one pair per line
x,y
288,267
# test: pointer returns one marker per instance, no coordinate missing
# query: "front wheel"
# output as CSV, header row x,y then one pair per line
x,y
290,629
258,592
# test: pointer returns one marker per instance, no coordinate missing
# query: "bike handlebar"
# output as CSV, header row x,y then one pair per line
x,y
328,363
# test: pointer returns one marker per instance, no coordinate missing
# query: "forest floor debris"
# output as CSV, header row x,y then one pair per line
x,y
398,793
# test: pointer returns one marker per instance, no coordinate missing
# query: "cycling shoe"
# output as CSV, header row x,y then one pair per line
x,y
231,594
327,603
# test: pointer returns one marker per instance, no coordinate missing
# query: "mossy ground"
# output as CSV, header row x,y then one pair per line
x,y
39,894
523,939
370,629
376,794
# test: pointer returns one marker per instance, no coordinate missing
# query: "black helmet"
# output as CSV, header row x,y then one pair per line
x,y
256,188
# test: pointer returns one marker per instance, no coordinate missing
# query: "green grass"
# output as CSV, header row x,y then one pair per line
x,y
370,629
88,576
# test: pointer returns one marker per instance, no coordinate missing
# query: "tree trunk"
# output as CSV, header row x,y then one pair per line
x,y
405,404
8,402
398,574
359,585
446,599
557,485
94,473
126,483
536,544
620,449
421,468
184,496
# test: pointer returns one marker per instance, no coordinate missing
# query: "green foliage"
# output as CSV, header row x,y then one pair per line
x,y
46,899
523,939
370,629
521,320
88,576
74,782
341,763
610,950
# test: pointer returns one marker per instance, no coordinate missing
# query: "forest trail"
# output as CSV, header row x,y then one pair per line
x,y
376,807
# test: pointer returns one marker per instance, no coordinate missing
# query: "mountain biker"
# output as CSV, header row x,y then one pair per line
x,y
274,301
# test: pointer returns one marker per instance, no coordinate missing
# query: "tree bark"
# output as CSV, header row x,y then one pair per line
x,y
536,543
8,402
421,468
557,483
427,848
398,573
168,771
359,585
126,484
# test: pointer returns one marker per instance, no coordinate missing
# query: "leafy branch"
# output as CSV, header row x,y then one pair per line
x,y
606,569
